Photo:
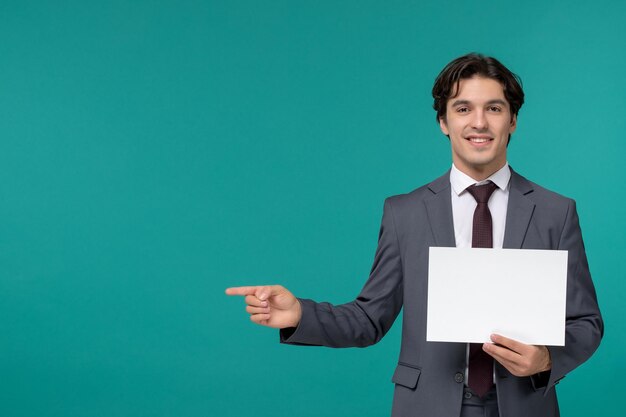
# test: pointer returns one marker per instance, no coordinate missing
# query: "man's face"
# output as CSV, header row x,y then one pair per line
x,y
478,122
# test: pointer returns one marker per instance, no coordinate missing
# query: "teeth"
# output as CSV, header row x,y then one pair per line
x,y
479,140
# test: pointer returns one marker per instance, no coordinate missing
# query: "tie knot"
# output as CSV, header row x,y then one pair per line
x,y
482,193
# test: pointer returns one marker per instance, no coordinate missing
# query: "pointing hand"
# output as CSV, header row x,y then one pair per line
x,y
270,305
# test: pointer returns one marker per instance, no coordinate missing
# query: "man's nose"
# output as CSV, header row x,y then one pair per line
x,y
479,121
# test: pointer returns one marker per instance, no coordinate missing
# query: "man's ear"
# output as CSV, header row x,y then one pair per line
x,y
444,126
513,125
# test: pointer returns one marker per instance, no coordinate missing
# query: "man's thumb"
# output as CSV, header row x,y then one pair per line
x,y
263,293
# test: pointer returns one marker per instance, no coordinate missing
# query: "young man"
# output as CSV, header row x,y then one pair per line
x,y
479,202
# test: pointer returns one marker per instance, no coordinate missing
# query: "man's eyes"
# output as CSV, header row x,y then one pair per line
x,y
495,109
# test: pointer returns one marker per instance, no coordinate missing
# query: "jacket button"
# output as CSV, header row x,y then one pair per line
x,y
458,377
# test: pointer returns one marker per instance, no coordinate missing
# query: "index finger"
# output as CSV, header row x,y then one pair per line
x,y
510,344
250,290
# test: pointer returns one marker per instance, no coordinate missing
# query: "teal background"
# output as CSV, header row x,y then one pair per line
x,y
154,153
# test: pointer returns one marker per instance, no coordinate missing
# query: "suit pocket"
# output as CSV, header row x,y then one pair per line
x,y
406,375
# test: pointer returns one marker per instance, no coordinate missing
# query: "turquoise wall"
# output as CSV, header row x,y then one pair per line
x,y
154,153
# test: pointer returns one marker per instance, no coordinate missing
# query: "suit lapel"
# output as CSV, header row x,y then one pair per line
x,y
439,209
519,212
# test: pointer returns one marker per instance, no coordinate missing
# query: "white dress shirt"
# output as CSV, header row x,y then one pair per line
x,y
463,206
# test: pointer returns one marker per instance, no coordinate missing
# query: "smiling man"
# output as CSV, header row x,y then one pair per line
x,y
479,202
479,123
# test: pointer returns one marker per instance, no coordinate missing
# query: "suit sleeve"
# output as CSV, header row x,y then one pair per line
x,y
584,327
365,320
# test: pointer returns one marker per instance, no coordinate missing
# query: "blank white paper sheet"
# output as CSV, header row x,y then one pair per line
x,y
518,293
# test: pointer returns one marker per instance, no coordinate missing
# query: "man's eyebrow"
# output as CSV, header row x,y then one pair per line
x,y
460,103
466,102
498,101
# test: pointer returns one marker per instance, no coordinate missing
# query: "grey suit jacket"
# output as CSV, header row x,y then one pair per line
x,y
429,375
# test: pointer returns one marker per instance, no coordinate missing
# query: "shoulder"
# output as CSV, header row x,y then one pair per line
x,y
536,193
418,195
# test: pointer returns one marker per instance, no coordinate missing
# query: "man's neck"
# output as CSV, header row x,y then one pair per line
x,y
479,175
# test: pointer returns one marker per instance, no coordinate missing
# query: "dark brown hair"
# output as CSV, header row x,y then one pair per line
x,y
447,82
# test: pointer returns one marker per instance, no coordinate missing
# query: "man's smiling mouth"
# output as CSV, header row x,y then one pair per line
x,y
475,139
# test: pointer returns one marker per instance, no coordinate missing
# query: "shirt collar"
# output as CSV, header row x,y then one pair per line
x,y
460,181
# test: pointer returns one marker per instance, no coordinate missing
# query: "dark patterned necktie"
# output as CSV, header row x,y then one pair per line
x,y
480,367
